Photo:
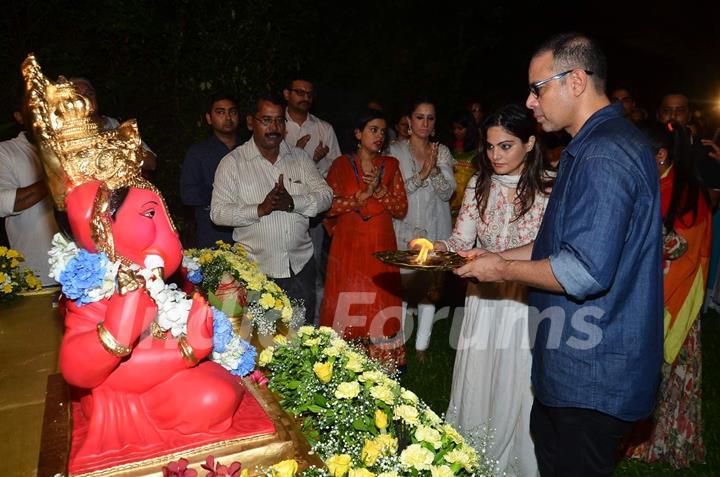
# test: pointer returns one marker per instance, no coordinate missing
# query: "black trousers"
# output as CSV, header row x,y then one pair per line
x,y
302,285
574,442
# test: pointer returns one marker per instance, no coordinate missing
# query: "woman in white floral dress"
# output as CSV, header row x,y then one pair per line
x,y
502,209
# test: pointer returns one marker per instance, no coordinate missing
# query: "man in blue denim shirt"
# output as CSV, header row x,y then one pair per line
x,y
595,267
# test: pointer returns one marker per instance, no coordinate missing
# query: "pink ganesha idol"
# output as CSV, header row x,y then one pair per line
x,y
134,350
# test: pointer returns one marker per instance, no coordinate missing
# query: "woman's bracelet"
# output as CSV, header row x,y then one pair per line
x,y
110,344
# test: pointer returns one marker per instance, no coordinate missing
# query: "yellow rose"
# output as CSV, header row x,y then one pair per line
x,y
331,351
383,393
7,288
441,471
244,473
3,251
381,419
267,301
3,277
459,456
326,330
266,356
355,365
417,457
323,371
13,253
407,413
392,473
453,434
311,342
339,465
279,304
409,396
431,417
286,313
362,472
14,263
388,443
306,330
370,453
347,390
286,468
429,435
280,340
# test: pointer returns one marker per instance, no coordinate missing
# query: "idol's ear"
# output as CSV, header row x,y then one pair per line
x,y
80,202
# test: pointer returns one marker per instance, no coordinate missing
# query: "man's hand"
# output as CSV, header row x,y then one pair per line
x,y
320,152
277,199
303,141
484,266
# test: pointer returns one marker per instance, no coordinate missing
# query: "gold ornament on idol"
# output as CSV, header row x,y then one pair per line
x,y
110,344
75,151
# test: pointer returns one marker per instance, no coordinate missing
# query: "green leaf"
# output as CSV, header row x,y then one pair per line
x,y
293,384
320,399
229,307
359,425
315,408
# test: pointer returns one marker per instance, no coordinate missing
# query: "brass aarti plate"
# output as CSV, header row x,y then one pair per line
x,y
440,261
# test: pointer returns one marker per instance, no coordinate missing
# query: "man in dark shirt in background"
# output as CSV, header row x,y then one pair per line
x,y
201,160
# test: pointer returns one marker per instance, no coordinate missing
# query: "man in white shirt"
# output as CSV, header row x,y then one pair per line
x,y
267,190
84,87
25,203
317,138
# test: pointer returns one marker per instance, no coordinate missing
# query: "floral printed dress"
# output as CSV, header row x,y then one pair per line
x,y
491,379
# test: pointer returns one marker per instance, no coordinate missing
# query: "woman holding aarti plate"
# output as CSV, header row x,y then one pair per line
x,y
502,209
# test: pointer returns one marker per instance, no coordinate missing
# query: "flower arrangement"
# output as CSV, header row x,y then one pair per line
x,y
232,282
13,278
358,419
90,277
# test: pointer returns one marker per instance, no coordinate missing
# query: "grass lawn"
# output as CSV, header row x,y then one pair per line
x,y
432,380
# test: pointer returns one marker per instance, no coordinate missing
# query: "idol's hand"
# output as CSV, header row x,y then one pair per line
x,y
200,327
483,266
128,315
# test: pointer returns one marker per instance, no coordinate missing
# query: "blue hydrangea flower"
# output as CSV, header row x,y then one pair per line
x,y
83,273
247,361
195,277
222,330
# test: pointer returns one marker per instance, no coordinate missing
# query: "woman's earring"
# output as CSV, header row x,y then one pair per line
x,y
409,129
432,133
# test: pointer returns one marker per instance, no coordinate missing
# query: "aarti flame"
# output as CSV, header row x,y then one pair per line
x,y
426,247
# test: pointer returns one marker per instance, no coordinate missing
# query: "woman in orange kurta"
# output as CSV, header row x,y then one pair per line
x,y
362,294
674,433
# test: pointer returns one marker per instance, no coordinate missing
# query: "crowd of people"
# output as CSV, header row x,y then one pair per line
x,y
587,242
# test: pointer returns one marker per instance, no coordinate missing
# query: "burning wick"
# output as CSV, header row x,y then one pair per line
x,y
426,247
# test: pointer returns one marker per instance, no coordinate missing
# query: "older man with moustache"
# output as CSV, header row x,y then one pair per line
x,y
268,190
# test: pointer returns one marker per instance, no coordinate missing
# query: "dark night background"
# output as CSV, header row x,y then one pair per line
x,y
157,61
